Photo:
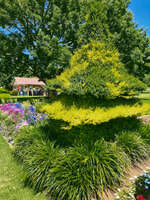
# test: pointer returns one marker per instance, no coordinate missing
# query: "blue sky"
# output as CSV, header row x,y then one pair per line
x,y
141,12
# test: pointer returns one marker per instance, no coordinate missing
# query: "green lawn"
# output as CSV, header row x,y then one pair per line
x,y
145,97
11,186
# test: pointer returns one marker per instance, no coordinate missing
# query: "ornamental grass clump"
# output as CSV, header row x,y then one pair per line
x,y
27,136
133,145
38,163
83,172
144,131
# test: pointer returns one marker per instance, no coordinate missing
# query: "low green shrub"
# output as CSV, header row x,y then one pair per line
x,y
14,92
133,145
26,136
2,91
54,130
4,96
38,163
21,99
82,161
144,131
86,169
82,172
80,111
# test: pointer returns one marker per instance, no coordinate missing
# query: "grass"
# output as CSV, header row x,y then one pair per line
x,y
144,97
11,185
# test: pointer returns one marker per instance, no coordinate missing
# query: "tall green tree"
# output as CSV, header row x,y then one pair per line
x,y
44,30
13,61
38,37
113,22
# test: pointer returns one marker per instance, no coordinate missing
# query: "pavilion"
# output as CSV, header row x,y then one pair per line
x,y
28,86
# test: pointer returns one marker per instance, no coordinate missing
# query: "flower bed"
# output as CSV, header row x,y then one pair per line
x,y
139,189
15,115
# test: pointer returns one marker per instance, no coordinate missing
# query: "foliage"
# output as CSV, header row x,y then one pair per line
x,y
112,21
142,185
79,111
14,93
145,133
4,94
78,151
38,163
2,90
133,145
52,87
84,172
7,124
37,38
24,139
13,61
64,172
147,79
14,116
96,70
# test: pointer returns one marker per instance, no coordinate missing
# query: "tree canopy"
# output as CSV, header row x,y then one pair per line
x,y
39,37
39,33
112,21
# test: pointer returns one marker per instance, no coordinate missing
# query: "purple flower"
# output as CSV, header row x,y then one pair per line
x,y
31,108
18,105
43,116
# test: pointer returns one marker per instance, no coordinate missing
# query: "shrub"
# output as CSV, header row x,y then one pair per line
x,y
96,70
38,163
144,131
133,145
147,79
83,172
4,96
79,111
53,86
2,90
14,93
26,137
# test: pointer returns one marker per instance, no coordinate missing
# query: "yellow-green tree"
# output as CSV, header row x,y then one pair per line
x,y
96,70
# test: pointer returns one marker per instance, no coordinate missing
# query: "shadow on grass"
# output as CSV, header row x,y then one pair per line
x,y
92,102
86,134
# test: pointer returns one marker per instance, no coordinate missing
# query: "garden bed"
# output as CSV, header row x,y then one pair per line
x,y
89,159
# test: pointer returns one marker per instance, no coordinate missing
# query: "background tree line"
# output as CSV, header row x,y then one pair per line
x,y
39,37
